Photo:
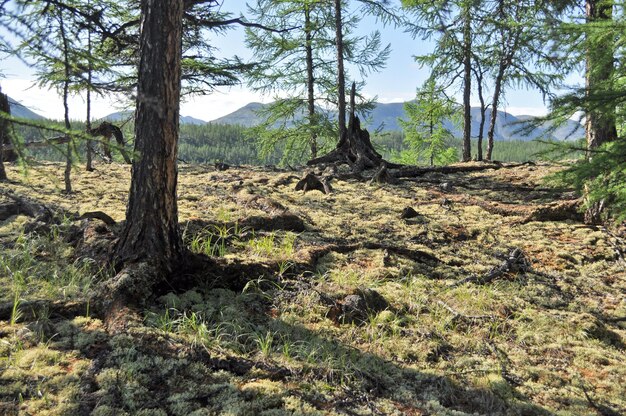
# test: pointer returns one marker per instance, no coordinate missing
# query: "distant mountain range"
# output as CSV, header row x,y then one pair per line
x,y
18,110
386,115
125,115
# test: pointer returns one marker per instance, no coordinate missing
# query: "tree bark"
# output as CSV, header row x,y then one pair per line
x,y
310,80
467,86
341,79
494,108
89,144
4,133
66,91
478,73
600,123
151,232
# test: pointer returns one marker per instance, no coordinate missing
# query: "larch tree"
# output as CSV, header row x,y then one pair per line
x,y
600,122
516,52
427,129
151,231
298,61
4,132
451,24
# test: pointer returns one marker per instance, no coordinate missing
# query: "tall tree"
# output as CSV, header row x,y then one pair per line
x,y
341,76
4,132
467,80
517,49
294,62
451,24
600,123
151,231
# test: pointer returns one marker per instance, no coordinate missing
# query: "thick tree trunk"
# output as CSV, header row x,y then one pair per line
x,y
151,232
341,78
600,123
467,87
310,81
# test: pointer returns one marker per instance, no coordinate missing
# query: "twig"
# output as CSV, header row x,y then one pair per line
x,y
459,315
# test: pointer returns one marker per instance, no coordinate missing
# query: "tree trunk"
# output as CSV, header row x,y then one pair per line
x,y
310,81
467,87
341,79
151,232
478,73
600,123
494,108
89,144
4,132
66,91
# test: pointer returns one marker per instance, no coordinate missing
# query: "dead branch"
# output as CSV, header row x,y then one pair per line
x,y
414,171
314,254
516,262
99,215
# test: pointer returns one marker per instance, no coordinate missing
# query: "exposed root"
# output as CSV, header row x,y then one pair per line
x,y
312,255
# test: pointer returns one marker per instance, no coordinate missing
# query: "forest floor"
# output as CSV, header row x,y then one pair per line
x,y
321,304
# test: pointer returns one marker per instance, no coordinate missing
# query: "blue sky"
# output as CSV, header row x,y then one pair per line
x,y
395,83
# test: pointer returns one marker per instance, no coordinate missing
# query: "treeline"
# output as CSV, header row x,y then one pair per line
x,y
210,143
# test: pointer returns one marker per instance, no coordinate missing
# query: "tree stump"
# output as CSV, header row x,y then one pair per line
x,y
312,183
354,147
108,130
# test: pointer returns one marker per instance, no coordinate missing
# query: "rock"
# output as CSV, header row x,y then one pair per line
x,y
219,166
408,213
357,307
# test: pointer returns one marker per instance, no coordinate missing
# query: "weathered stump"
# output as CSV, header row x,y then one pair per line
x,y
312,183
107,131
354,147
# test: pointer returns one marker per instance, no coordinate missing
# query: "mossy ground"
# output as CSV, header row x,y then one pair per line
x,y
551,341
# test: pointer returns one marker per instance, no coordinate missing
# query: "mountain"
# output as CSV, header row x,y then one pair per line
x,y
386,115
18,110
121,116
246,116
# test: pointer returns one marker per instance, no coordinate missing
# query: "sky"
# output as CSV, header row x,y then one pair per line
x,y
397,82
